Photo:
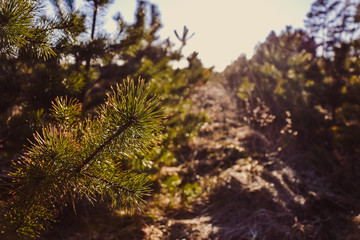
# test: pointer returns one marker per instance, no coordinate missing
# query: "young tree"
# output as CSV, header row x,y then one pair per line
x,y
73,158
97,5
84,159
20,31
277,72
31,47
333,22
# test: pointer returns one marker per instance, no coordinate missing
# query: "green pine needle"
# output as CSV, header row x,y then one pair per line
x,y
73,159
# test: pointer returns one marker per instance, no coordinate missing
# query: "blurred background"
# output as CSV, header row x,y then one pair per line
x,y
235,25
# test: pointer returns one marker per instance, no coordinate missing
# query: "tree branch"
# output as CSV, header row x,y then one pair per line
x,y
102,146
111,183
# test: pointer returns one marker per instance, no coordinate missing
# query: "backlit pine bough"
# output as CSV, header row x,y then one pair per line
x,y
73,158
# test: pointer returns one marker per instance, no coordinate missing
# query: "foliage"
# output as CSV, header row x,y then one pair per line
x,y
86,148
285,78
73,159
32,47
333,22
275,80
25,31
190,190
172,182
105,144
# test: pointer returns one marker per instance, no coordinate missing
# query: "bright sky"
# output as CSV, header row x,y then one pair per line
x,y
224,29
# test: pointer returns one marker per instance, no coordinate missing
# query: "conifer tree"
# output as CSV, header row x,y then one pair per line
x,y
73,158
83,160
31,47
333,22
24,30
320,92
276,74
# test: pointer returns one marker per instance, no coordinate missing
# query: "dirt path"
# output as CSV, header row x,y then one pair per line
x,y
249,191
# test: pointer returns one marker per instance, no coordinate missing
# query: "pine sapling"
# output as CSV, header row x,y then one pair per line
x,y
75,158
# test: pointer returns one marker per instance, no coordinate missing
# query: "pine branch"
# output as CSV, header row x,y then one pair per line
x,y
130,191
56,168
106,143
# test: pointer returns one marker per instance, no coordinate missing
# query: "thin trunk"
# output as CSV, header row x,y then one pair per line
x,y
94,21
92,32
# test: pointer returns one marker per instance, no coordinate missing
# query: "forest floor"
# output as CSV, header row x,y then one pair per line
x,y
245,188
250,189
